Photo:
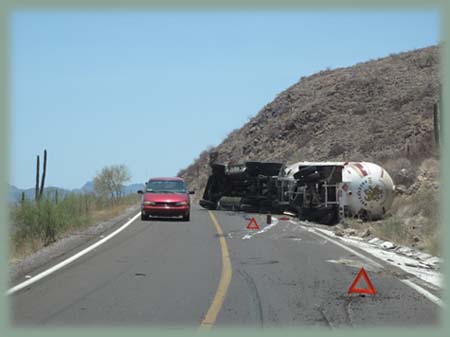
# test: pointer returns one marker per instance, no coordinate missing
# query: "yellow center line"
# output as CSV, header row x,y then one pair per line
x,y
225,279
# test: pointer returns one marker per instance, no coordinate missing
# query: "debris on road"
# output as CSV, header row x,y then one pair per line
x,y
422,265
387,245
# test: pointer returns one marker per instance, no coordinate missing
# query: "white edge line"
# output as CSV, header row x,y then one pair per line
x,y
266,228
424,292
326,237
70,259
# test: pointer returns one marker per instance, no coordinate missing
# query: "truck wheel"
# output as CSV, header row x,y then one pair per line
x,y
208,204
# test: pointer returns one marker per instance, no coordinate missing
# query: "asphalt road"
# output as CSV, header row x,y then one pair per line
x,y
174,273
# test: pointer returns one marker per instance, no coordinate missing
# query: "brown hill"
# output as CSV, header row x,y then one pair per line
x,y
372,111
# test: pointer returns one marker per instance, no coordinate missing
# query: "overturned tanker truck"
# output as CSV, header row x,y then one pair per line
x,y
322,192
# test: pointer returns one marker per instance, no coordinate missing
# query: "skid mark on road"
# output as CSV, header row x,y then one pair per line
x,y
225,279
253,293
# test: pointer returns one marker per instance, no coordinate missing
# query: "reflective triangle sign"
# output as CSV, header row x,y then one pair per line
x,y
252,224
370,288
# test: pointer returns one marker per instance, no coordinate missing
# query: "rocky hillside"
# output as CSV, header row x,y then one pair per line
x,y
372,111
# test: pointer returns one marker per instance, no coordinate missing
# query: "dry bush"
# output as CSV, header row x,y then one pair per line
x,y
420,147
402,171
392,229
426,203
39,224
430,168
431,243
418,220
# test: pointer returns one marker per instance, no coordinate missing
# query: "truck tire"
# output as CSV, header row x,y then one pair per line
x,y
208,204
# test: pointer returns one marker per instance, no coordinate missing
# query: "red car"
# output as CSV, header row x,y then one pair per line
x,y
165,197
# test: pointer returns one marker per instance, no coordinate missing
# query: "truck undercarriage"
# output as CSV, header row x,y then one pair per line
x,y
311,192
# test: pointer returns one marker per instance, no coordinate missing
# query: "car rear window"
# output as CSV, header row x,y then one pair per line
x,y
168,186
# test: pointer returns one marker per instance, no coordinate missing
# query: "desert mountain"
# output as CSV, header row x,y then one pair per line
x,y
372,111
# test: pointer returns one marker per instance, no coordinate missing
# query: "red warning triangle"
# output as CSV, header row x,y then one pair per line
x,y
369,290
252,224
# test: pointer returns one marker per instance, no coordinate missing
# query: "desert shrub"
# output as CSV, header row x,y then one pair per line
x,y
414,220
37,224
419,147
430,168
426,203
336,149
432,243
401,170
390,229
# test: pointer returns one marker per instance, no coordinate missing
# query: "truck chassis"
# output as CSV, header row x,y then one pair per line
x,y
312,192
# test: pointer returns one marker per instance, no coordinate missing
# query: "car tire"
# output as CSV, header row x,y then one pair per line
x,y
143,217
187,217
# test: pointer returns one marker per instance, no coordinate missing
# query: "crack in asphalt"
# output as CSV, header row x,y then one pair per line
x,y
347,304
259,263
254,292
325,318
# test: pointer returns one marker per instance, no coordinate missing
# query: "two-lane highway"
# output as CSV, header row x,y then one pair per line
x,y
212,271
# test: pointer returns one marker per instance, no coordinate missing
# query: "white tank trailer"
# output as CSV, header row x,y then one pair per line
x,y
322,192
358,189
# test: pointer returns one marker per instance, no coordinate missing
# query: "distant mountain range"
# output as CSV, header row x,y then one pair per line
x,y
15,194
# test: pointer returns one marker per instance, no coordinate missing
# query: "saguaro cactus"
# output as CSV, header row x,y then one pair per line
x,y
436,123
36,191
43,174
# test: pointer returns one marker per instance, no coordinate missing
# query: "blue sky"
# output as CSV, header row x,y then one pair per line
x,y
152,90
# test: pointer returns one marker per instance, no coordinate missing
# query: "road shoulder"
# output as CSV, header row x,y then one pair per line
x,y
21,270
